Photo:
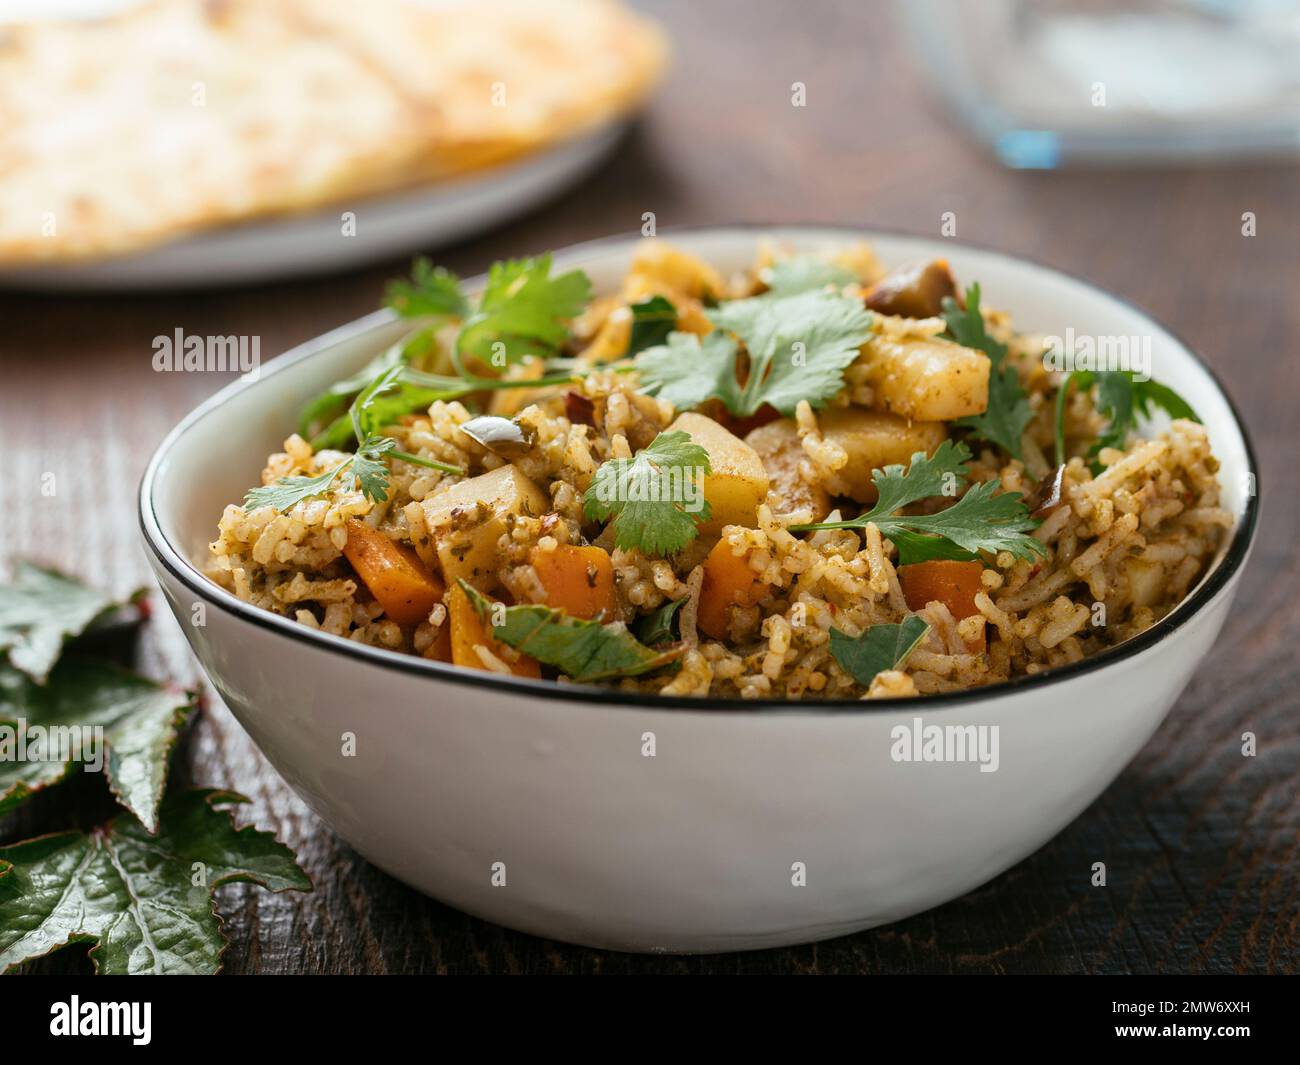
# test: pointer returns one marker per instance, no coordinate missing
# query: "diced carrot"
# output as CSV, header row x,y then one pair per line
x,y
952,583
394,574
578,580
728,582
468,631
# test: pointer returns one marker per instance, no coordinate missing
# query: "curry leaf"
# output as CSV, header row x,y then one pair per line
x,y
582,650
880,648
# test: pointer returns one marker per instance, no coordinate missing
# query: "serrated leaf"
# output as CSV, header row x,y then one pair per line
x,y
805,273
656,498
41,609
1003,422
133,894
880,648
140,721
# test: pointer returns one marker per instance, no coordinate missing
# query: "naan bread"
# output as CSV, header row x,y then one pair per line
x,y
123,133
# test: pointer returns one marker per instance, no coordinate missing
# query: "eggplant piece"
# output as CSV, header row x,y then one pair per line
x,y
915,291
1047,496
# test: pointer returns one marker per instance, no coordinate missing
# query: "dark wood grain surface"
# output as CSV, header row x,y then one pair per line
x,y
1200,842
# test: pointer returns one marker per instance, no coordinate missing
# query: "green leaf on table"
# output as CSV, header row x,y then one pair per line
x,y
652,320
42,608
656,498
880,648
124,721
144,901
1003,422
582,650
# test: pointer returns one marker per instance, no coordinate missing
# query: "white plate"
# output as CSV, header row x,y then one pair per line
x,y
313,243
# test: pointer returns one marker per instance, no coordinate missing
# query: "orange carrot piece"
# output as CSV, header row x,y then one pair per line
x,y
578,580
394,574
954,584
469,631
728,582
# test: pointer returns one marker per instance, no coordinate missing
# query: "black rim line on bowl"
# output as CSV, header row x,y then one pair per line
x,y
187,575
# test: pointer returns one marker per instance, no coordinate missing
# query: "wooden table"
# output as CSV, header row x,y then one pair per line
x,y
1200,842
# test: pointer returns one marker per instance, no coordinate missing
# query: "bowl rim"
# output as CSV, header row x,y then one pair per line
x,y
188,575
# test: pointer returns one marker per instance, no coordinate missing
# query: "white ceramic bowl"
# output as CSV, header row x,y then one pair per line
x,y
461,776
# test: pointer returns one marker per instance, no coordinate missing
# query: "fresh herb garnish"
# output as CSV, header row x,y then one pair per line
x,y
880,648
798,348
43,608
983,519
804,273
1122,399
652,320
582,650
523,311
648,495
367,464
1003,422
432,291
144,900
660,626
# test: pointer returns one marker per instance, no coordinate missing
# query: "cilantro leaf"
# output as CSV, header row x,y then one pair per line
x,y
687,370
660,626
799,346
582,650
804,273
432,290
1008,413
1122,399
652,320
40,610
139,719
656,497
984,519
523,309
369,412
289,491
134,894
880,648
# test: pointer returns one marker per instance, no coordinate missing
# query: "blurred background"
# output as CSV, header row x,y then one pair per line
x,y
1178,191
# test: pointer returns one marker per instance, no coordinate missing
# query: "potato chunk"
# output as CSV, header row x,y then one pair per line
x,y
467,520
929,380
738,483
777,446
871,440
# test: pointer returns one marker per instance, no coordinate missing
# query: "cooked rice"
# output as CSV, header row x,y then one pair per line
x,y
1123,550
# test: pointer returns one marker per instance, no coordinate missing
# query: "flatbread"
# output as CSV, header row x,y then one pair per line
x,y
121,134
